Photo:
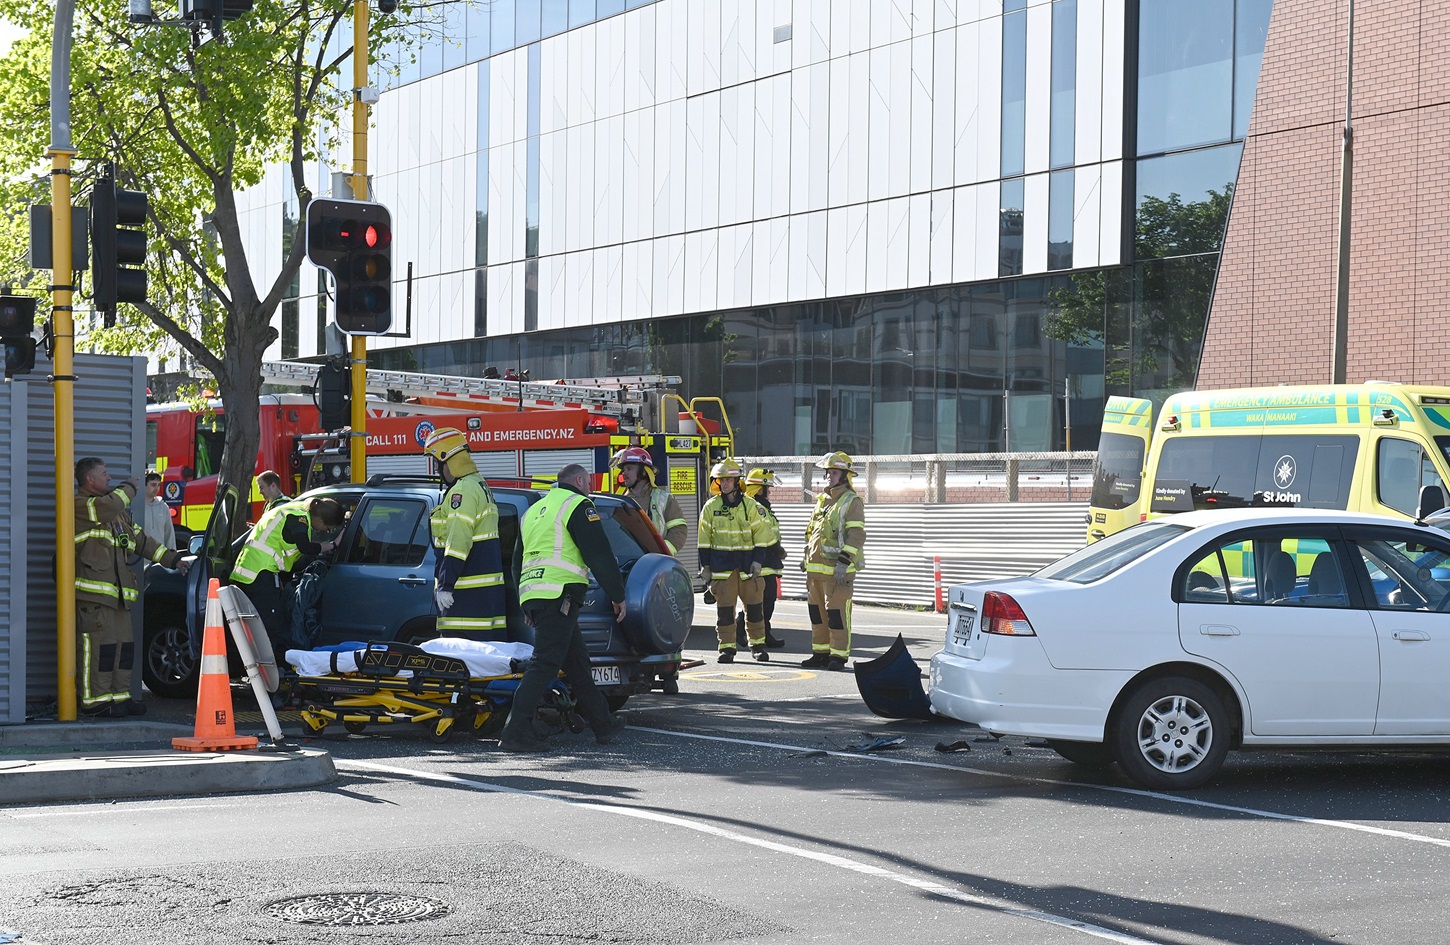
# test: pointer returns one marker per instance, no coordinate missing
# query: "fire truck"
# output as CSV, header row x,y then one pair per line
x,y
521,432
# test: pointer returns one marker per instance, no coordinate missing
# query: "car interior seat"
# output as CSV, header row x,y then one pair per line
x,y
1325,580
1279,576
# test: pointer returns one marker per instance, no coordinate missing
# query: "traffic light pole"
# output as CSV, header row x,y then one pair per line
x,y
63,358
358,441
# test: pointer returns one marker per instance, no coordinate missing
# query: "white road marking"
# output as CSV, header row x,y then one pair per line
x,y
1112,789
109,809
829,859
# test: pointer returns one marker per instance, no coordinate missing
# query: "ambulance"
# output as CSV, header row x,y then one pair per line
x,y
1367,447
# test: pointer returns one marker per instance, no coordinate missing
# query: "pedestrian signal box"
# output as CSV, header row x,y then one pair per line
x,y
353,240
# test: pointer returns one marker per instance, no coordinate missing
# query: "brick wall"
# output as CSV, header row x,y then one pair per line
x,y
1272,315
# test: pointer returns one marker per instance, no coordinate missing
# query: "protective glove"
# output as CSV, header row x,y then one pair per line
x,y
754,569
185,563
444,600
802,564
706,575
843,574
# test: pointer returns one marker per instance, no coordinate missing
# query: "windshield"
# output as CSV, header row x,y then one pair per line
x,y
1228,472
1098,560
1117,472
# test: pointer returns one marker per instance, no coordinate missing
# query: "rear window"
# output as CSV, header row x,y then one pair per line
x,y
628,532
1117,472
1233,472
1102,558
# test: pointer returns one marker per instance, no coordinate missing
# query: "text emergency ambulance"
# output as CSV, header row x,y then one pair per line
x,y
1367,447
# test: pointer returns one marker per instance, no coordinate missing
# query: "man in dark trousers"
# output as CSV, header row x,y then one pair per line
x,y
555,574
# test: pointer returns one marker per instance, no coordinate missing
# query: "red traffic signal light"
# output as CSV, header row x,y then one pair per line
x,y
353,240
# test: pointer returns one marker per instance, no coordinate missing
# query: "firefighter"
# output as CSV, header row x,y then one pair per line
x,y
106,587
637,476
563,542
757,486
282,537
835,537
468,573
734,537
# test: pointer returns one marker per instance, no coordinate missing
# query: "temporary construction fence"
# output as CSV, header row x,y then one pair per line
x,y
917,547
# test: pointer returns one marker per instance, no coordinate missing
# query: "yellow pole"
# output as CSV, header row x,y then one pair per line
x,y
63,363
358,445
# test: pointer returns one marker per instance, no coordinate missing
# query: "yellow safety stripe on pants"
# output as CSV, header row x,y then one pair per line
x,y
87,697
478,580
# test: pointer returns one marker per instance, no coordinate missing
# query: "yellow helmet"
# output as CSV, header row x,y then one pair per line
x,y
836,460
726,469
449,448
761,477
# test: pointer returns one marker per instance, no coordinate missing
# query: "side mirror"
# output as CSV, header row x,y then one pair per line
x,y
197,543
1432,499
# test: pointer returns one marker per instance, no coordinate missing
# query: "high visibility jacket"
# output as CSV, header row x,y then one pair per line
x,y
106,537
774,552
468,556
836,533
551,557
732,537
266,549
664,510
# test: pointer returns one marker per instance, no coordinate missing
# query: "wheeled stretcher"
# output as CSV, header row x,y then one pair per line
x,y
448,685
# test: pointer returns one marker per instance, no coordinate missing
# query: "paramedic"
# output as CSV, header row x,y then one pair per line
x,y
734,539
835,536
281,537
468,572
564,541
637,476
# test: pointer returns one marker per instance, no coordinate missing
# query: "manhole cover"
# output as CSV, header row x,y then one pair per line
x,y
369,908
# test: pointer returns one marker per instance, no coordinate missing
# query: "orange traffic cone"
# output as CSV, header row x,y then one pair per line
x,y
216,729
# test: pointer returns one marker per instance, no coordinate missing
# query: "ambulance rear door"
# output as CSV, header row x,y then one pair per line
x,y
1117,498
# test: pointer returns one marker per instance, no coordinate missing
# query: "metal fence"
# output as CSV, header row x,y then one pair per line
x,y
968,517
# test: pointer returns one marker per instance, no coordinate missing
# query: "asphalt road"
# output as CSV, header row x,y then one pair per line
x,y
738,811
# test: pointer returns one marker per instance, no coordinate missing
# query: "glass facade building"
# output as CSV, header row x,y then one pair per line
x,y
906,227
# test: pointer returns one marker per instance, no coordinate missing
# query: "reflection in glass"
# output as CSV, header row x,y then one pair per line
x,y
480,227
527,15
503,26
556,17
289,328
610,7
430,54
1185,73
455,35
1009,239
1014,92
479,45
1059,219
1183,201
1064,83
1170,310
580,12
1250,30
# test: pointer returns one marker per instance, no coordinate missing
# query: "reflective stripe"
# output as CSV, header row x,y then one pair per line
x,y
472,623
478,580
213,663
266,549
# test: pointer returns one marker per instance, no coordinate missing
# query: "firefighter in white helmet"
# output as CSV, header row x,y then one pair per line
x,y
468,570
757,486
734,536
637,476
835,537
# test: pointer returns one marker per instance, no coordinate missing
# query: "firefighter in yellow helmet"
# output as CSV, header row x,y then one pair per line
x,y
468,567
835,537
757,486
637,475
734,537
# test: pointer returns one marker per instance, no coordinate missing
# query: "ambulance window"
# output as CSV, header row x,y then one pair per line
x,y
1117,472
1311,472
1402,468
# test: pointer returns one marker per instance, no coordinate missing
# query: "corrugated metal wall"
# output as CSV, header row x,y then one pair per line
x,y
974,542
110,422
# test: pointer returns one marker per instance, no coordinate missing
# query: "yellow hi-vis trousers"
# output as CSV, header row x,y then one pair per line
x,y
750,592
829,605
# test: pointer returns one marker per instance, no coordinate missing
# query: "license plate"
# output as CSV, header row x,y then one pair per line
x,y
962,629
606,675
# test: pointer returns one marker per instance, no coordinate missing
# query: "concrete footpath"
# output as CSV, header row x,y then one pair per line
x,y
100,759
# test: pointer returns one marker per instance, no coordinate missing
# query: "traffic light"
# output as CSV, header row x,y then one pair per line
x,y
118,243
17,323
353,240
334,394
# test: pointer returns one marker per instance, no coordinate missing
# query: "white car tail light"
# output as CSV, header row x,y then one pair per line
x,y
1001,614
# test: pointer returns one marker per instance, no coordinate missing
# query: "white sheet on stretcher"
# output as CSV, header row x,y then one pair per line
x,y
482,659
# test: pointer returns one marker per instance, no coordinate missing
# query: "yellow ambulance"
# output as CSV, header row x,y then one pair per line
x,y
1368,447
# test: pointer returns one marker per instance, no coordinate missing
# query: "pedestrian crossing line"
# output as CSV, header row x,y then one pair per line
x,y
828,859
1109,788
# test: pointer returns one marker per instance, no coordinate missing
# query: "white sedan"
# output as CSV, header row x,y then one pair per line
x,y
1171,642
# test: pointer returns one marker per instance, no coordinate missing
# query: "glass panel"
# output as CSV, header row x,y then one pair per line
x,y
455,35
1250,29
556,17
1009,5
1170,310
480,302
610,7
478,16
1118,472
580,12
1064,83
1407,576
290,332
531,295
1206,582
1009,238
527,17
1059,220
1283,570
430,55
1225,472
480,228
1014,92
503,26
1098,560
1183,202
1185,74
1398,470
390,533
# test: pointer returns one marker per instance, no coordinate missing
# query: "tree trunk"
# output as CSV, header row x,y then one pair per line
x,y
240,384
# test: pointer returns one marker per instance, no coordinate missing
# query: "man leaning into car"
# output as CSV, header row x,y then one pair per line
x,y
563,542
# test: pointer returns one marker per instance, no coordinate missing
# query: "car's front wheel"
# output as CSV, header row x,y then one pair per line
x,y
1171,734
167,666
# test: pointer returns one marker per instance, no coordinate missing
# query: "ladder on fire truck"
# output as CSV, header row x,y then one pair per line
x,y
625,398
